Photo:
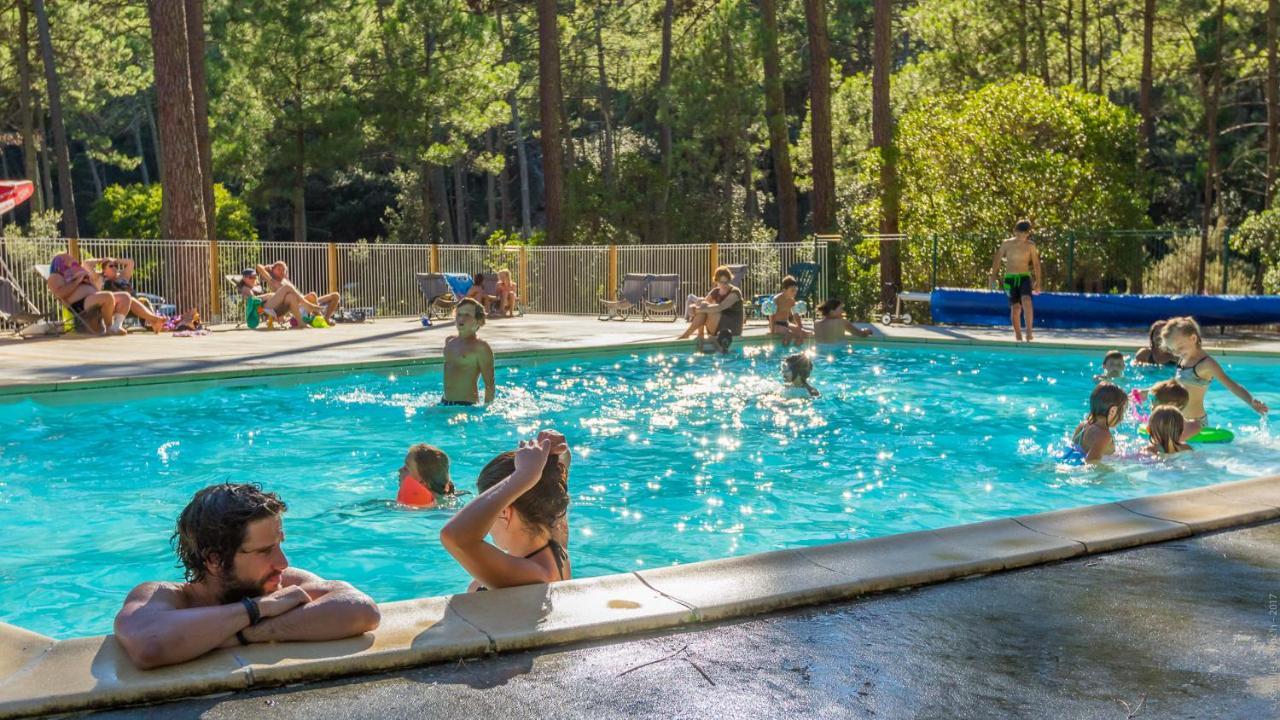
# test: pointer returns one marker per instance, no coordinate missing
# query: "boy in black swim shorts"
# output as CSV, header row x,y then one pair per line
x,y
1021,278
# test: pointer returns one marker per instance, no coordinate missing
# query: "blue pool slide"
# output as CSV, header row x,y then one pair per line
x,y
1089,310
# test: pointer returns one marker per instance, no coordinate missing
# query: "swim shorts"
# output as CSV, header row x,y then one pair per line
x,y
1018,286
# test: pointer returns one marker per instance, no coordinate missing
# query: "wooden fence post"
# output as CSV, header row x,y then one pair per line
x,y
713,254
613,268
524,272
333,267
435,258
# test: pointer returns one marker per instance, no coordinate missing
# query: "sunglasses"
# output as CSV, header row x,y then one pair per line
x,y
112,266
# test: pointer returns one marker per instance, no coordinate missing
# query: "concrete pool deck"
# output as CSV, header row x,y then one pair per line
x,y
43,364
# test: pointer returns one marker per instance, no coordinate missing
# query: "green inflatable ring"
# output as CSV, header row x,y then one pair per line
x,y
1206,435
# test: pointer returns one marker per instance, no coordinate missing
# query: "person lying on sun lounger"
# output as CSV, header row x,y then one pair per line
x,y
287,295
77,287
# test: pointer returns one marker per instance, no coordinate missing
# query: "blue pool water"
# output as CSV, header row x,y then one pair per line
x,y
678,458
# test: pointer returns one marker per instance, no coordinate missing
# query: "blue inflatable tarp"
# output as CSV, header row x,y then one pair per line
x,y
1089,310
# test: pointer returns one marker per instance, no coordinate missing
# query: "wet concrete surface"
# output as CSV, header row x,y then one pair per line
x,y
1184,629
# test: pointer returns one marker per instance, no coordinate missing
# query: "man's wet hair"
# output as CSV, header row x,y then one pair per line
x,y
212,526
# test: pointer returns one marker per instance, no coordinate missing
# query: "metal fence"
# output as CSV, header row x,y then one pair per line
x,y
552,279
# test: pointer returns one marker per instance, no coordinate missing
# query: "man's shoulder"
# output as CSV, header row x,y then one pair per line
x,y
170,593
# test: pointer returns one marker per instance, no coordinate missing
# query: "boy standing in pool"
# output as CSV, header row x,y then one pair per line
x,y
467,357
1021,275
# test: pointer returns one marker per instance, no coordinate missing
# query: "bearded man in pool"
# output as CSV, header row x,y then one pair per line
x,y
239,587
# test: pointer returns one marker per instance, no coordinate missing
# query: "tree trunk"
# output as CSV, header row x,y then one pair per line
x,y
1146,83
1084,44
824,174
93,173
549,109
664,118
602,91
155,138
299,193
142,153
200,105
182,205
776,117
522,158
62,153
1042,45
440,192
1066,38
882,140
460,204
1212,98
504,184
1273,103
26,110
46,171
1022,36
490,188
1102,27
426,216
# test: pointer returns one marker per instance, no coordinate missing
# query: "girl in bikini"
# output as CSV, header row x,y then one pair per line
x,y
1195,370
524,498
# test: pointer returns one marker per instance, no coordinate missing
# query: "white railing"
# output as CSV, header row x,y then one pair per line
x,y
568,279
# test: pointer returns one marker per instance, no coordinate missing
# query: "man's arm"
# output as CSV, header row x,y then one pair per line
x,y
127,267
1035,266
486,369
337,610
995,263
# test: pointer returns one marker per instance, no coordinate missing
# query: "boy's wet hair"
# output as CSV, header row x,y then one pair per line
x,y
1165,426
1104,397
1023,225
544,504
471,303
788,282
801,366
431,465
1170,392
829,305
1112,355
1184,325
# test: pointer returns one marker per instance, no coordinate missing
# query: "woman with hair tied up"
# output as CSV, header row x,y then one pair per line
x,y
524,498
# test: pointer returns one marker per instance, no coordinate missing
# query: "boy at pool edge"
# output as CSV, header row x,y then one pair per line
x,y
424,477
1092,437
467,358
1196,370
1164,432
796,369
523,505
1021,259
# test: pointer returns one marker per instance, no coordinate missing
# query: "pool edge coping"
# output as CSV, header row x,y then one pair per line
x,y
92,672
760,335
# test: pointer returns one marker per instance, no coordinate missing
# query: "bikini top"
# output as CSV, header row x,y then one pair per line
x,y
557,553
1188,376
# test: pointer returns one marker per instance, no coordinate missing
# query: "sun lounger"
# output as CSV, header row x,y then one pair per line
x,y
660,297
16,308
630,297
81,322
438,293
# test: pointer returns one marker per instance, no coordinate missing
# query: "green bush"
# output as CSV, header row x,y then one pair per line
x,y
133,212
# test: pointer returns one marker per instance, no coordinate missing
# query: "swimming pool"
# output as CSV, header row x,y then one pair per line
x,y
678,458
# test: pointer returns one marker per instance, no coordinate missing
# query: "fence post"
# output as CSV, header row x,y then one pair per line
x,y
1071,262
713,254
215,282
523,271
613,267
333,267
435,258
1226,257
933,274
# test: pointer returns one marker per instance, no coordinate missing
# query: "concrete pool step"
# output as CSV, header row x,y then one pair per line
x,y
39,675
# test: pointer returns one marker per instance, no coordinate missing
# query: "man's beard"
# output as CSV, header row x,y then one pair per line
x,y
236,590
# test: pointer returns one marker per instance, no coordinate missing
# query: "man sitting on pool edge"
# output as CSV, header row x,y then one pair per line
x,y
239,587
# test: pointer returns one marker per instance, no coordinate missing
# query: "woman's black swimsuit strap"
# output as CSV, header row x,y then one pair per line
x,y
557,553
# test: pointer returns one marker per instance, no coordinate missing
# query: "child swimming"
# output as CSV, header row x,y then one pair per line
x,y
833,327
796,369
467,358
1112,366
1164,431
424,477
1092,437
1196,369
524,498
